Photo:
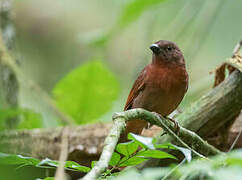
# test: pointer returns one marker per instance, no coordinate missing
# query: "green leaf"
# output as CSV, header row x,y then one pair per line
x,y
30,120
71,165
165,146
48,178
87,92
125,161
155,154
146,142
115,159
26,118
127,148
93,163
9,159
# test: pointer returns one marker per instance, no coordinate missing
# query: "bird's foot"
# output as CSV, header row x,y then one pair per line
x,y
177,127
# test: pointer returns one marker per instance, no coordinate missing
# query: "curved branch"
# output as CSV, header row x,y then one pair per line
x,y
119,124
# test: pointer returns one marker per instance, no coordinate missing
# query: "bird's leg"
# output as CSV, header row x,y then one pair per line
x,y
172,120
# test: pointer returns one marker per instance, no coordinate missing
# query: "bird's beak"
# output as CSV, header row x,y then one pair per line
x,y
155,48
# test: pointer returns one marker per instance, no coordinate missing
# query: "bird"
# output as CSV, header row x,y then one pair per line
x,y
160,86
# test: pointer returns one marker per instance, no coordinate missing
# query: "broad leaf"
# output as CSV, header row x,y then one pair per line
x,y
127,148
87,92
115,159
71,165
30,120
154,154
26,118
11,159
93,163
125,161
165,146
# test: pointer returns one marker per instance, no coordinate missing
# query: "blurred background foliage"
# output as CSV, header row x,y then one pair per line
x,y
86,54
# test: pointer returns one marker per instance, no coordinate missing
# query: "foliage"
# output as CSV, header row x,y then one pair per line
x,y
138,150
11,159
27,118
221,167
127,154
87,92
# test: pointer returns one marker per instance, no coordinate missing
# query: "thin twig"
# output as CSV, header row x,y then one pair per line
x,y
235,141
237,48
173,169
60,172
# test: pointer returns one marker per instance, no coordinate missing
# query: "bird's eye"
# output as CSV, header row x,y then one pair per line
x,y
169,48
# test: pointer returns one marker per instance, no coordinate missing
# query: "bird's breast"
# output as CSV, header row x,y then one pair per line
x,y
164,90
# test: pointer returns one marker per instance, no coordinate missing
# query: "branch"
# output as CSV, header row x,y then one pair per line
x,y
108,149
60,172
84,141
216,108
119,119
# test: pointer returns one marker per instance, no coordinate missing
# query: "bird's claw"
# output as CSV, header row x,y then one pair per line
x,y
157,114
177,127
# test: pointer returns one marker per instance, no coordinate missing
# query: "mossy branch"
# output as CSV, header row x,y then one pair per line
x,y
119,119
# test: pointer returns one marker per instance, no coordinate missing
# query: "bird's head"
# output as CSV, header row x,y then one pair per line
x,y
166,52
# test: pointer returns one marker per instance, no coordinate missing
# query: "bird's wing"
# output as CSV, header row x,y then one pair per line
x,y
138,86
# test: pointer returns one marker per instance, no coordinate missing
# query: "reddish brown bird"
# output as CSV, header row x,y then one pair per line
x,y
160,87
